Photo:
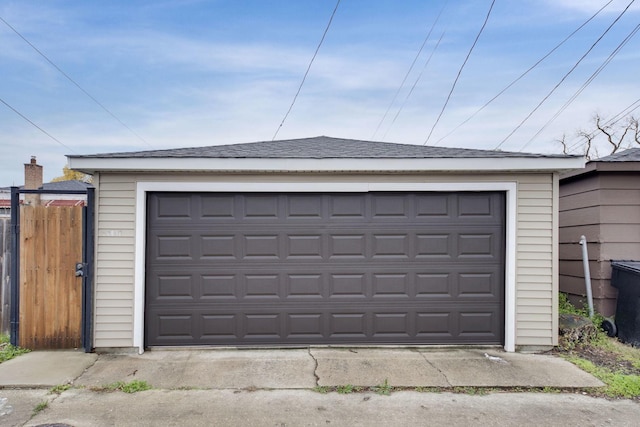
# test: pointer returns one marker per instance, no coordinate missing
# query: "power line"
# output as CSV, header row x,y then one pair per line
x,y
486,104
565,76
610,122
306,72
413,86
460,72
409,71
75,83
37,127
585,84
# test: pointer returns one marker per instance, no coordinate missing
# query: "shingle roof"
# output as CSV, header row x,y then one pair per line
x,y
66,185
320,147
628,155
59,186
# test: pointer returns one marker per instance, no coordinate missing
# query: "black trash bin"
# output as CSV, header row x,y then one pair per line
x,y
625,276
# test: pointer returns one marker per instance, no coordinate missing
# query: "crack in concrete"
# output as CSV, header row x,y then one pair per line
x,y
85,370
434,367
315,369
50,398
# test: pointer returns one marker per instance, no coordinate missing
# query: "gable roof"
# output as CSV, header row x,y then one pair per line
x,y
320,147
320,153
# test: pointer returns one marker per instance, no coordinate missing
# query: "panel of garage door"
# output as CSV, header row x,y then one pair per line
x,y
294,269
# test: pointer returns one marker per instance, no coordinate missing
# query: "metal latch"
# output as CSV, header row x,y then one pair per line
x,y
79,269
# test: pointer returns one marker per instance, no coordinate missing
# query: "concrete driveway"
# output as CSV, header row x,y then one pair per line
x,y
276,387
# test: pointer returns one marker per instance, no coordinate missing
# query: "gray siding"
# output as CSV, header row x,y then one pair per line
x,y
536,242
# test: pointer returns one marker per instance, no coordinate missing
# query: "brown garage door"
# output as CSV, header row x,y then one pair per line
x,y
297,269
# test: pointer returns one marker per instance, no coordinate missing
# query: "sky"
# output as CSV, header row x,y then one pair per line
x,y
155,74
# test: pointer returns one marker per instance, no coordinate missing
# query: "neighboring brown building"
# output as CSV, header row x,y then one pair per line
x,y
601,202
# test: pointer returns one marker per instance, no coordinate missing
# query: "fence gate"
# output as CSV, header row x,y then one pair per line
x,y
50,292
51,286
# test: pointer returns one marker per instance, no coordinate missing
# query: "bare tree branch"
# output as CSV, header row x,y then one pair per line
x,y
634,125
617,133
587,148
563,142
605,130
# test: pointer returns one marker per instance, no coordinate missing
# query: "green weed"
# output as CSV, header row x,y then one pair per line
x,y
383,389
473,391
422,389
322,389
130,387
8,351
59,389
346,389
40,407
565,307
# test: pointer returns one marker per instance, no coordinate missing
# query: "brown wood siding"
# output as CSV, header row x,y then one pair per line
x,y
605,208
50,293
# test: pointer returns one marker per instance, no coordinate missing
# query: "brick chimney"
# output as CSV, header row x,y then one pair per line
x,y
32,181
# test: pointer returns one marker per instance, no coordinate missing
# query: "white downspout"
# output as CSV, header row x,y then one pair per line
x,y
587,273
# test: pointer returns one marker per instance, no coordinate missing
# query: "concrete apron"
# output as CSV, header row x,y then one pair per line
x,y
296,369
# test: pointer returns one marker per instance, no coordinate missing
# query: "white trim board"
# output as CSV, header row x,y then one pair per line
x,y
142,188
217,165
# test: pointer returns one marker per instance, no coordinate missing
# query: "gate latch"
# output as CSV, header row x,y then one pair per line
x,y
79,269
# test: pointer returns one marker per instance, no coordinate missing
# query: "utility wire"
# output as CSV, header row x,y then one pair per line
x,y
306,72
564,77
584,85
75,83
486,104
486,19
37,127
414,86
409,71
610,122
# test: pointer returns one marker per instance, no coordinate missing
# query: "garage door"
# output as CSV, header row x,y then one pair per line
x,y
308,268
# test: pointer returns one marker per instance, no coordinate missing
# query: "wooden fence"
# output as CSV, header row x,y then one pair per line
x,y
50,293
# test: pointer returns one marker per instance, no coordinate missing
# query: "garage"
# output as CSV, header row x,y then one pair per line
x,y
325,241
291,269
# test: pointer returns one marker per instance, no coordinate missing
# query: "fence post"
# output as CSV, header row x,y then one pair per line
x,y
5,292
15,266
88,240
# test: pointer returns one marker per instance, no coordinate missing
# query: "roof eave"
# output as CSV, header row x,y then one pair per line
x,y
92,164
603,166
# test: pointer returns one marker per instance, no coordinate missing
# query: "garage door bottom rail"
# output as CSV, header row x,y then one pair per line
x,y
410,326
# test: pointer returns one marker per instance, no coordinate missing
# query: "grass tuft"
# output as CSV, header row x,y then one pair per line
x,y
348,388
618,384
40,407
8,351
322,389
59,389
383,389
130,387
